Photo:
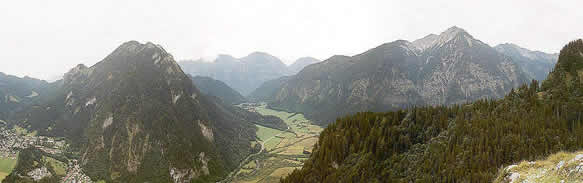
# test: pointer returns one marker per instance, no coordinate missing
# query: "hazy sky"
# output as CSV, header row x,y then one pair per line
x,y
45,38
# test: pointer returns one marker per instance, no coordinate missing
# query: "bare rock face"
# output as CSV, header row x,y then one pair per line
x,y
449,68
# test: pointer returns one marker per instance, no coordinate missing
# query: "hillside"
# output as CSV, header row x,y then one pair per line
x,y
449,68
535,64
16,93
136,116
210,86
460,143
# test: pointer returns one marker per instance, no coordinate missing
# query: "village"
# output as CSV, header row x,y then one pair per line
x,y
75,174
12,140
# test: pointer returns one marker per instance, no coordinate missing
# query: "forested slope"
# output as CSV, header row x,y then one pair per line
x,y
461,143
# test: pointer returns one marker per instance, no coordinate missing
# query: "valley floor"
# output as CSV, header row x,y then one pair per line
x,y
281,152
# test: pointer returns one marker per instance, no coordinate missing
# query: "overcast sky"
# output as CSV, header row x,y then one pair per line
x,y
45,38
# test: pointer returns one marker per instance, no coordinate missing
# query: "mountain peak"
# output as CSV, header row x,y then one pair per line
x,y
426,41
135,47
456,36
455,29
453,33
75,72
261,58
306,59
571,57
148,52
568,68
260,53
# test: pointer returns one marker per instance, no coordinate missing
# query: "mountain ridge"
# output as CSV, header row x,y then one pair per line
x,y
247,73
135,116
454,68
460,143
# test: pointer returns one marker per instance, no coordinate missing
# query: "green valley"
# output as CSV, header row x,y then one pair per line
x,y
282,151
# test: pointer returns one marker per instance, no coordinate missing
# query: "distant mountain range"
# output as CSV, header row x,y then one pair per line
x,y
450,68
247,73
136,116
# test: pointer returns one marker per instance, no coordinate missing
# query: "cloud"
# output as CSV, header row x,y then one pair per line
x,y
46,38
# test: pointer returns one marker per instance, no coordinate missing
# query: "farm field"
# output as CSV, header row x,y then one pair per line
x,y
6,166
284,150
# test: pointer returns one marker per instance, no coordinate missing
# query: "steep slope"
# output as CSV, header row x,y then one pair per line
x,y
449,68
16,93
535,64
300,63
136,117
210,86
460,143
242,74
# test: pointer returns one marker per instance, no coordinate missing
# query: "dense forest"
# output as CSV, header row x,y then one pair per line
x,y
459,143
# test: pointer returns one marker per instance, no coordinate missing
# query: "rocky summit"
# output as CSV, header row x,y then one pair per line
x,y
136,117
450,68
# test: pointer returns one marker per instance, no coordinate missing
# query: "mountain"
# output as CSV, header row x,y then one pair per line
x,y
16,93
210,86
136,116
535,64
268,89
458,143
449,68
300,63
243,74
